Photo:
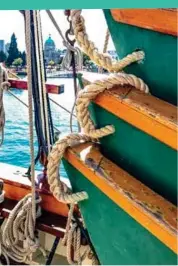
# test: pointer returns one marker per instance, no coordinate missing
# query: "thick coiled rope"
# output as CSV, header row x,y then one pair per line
x,y
4,84
59,189
19,229
72,236
91,91
101,59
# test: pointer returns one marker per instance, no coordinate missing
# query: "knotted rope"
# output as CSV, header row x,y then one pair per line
x,y
72,236
88,47
91,91
60,191
4,84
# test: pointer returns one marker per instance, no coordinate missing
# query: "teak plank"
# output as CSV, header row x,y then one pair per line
x,y
161,20
148,208
22,84
146,112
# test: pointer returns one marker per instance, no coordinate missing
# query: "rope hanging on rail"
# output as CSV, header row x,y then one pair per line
x,y
59,190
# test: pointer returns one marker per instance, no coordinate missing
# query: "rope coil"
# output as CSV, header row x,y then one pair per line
x,y
101,59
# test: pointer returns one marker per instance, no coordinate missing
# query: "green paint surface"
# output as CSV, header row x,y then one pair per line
x,y
147,159
117,238
159,69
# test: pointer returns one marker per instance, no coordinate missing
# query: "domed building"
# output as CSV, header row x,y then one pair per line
x,y
50,52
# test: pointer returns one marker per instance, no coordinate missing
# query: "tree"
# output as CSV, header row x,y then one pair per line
x,y
60,60
3,57
17,62
23,57
51,63
13,51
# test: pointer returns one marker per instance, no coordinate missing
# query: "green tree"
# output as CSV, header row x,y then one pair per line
x,y
13,51
23,56
17,62
51,63
60,60
3,57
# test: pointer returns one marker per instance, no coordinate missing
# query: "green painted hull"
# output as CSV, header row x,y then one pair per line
x,y
159,70
151,161
118,239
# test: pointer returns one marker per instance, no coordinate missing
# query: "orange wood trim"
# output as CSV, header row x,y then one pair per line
x,y
17,191
161,20
108,187
152,124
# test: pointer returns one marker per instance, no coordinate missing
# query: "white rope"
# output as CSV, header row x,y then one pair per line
x,y
88,47
4,84
19,239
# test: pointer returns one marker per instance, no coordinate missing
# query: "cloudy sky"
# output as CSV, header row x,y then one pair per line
x,y
13,22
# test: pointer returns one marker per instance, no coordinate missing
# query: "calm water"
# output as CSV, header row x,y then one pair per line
x,y
15,149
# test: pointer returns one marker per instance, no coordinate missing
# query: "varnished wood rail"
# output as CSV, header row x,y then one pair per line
x,y
145,112
148,208
16,186
160,19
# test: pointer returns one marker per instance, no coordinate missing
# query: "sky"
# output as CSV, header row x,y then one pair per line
x,y
13,22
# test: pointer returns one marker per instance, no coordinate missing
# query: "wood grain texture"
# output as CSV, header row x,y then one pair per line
x,y
146,112
161,20
149,209
22,84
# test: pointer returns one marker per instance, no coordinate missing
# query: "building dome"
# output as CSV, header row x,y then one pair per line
x,y
49,42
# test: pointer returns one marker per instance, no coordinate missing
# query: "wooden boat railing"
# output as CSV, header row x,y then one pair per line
x,y
149,209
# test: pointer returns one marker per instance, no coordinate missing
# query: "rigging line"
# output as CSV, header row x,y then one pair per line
x,y
36,37
36,96
25,104
51,126
62,107
65,43
30,103
39,40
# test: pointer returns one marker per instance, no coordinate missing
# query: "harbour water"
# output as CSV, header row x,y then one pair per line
x,y
15,149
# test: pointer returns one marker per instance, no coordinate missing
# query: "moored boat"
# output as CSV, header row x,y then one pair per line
x,y
122,168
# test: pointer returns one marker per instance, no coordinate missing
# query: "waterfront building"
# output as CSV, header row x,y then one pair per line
x,y
50,51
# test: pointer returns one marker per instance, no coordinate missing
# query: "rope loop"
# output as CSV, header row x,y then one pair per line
x,y
101,59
